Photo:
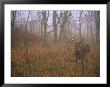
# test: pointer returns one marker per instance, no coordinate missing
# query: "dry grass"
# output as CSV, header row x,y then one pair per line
x,y
39,60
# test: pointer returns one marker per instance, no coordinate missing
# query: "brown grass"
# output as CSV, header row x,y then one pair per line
x,y
39,60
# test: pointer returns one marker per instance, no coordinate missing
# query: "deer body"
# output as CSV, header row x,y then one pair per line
x,y
81,49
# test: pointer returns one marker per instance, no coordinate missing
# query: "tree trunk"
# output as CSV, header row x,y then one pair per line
x,y
25,38
80,30
55,26
80,23
45,25
13,14
27,22
97,18
69,31
62,25
64,33
87,30
42,28
97,31
61,33
91,31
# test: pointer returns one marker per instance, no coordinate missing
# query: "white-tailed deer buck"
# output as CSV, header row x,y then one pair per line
x,y
81,49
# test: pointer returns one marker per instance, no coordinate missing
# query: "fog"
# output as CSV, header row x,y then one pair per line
x,y
55,43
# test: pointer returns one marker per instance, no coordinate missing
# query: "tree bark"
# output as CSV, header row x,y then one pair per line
x,y
42,28
80,30
27,22
97,19
45,25
55,26
13,14
91,32
62,25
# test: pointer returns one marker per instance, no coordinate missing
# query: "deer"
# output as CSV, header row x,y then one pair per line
x,y
81,50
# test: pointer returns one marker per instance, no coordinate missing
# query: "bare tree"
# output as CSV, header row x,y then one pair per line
x,y
54,25
13,18
63,19
89,20
27,22
45,20
42,25
80,22
97,22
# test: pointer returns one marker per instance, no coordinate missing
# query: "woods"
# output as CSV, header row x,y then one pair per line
x,y
55,43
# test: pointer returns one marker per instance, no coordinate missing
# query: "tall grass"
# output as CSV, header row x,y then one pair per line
x,y
31,57
57,60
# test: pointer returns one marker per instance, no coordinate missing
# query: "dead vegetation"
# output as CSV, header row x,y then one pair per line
x,y
40,60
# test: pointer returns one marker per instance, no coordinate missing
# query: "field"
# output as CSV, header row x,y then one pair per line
x,y
38,60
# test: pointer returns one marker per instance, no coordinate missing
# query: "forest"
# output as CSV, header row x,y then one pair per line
x,y
55,43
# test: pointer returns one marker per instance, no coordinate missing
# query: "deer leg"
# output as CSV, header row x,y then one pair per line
x,y
78,65
82,67
86,64
76,68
